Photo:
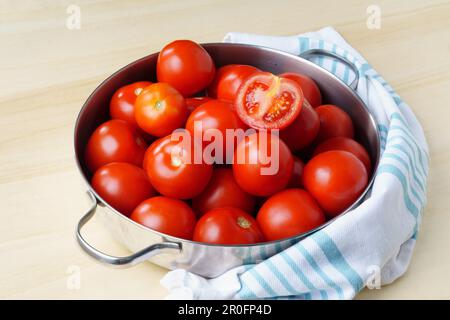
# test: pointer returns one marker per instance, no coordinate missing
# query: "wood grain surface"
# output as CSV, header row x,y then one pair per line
x,y
47,71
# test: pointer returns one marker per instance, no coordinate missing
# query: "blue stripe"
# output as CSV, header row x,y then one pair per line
x,y
388,168
407,165
382,127
418,164
321,44
364,68
246,293
411,141
303,43
293,265
414,165
398,116
346,70
262,282
280,277
419,198
262,252
334,63
336,258
319,271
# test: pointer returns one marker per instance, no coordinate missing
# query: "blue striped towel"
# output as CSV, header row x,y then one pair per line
x,y
370,245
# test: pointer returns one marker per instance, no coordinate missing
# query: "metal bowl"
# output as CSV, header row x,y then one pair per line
x,y
208,260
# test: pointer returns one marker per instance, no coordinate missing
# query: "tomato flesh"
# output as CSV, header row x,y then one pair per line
x,y
265,101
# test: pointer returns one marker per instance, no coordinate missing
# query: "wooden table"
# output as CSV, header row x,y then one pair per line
x,y
47,71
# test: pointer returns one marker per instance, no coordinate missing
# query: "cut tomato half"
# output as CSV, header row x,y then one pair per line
x,y
265,101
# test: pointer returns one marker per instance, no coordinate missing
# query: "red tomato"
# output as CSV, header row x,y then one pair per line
x,y
228,79
297,172
122,103
309,87
334,122
160,109
186,66
223,191
218,115
227,226
302,132
114,141
122,185
345,144
171,170
267,101
335,179
289,213
170,216
194,102
259,168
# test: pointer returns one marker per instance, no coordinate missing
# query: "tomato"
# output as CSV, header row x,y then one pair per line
x,y
122,102
262,168
309,87
170,216
335,179
218,115
345,144
227,225
114,141
289,213
160,109
122,185
223,191
228,79
186,66
302,132
334,122
267,101
194,102
297,172
171,170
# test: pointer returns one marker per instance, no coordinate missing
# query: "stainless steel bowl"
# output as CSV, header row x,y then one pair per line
x,y
206,259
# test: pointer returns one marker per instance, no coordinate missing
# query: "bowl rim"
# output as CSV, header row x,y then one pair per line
x,y
169,238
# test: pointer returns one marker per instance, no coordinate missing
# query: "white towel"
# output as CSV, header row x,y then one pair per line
x,y
373,242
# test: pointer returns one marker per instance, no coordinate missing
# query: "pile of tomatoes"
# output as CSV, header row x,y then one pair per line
x,y
137,166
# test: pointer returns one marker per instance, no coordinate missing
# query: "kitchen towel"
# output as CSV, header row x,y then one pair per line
x,y
369,245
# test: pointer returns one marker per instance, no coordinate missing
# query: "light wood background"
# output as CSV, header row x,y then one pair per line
x,y
47,71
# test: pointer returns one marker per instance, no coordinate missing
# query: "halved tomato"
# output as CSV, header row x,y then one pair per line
x,y
265,101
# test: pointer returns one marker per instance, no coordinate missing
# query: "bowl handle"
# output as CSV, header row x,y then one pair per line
x,y
127,261
321,52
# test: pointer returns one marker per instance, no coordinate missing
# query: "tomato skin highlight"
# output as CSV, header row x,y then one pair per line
x,y
122,102
248,173
265,101
334,122
122,185
175,177
302,132
223,191
170,216
289,213
228,79
227,225
335,179
186,66
309,87
160,109
345,144
114,141
297,174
